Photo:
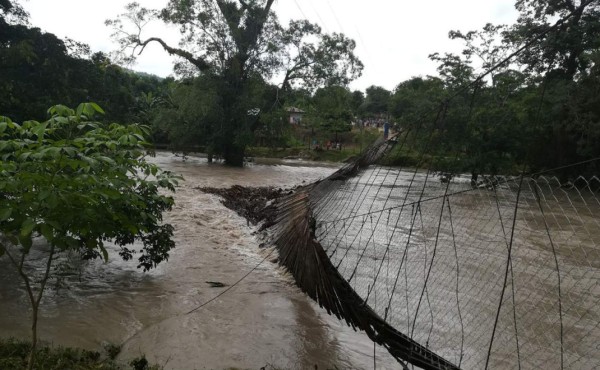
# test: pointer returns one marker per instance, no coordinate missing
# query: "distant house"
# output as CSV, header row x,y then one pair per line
x,y
296,115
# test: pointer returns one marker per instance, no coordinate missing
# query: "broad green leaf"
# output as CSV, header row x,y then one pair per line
x,y
79,110
53,152
43,194
29,124
54,224
39,131
106,159
61,110
70,151
3,126
23,156
47,231
5,213
104,253
27,226
26,242
4,145
61,120
5,119
97,108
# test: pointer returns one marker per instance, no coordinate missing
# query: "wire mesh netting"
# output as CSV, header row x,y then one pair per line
x,y
506,271
453,271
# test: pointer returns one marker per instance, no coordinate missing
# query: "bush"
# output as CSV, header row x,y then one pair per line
x,y
14,354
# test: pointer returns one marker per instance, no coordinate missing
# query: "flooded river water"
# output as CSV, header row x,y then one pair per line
x,y
263,321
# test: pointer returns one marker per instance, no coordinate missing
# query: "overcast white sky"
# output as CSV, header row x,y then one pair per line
x,y
394,37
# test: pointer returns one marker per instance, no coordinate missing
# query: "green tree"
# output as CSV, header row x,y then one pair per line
x,y
39,69
480,131
358,98
74,184
569,48
12,12
563,72
414,100
376,101
240,44
331,110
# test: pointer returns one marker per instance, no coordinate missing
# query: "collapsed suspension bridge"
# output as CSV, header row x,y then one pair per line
x,y
447,272
449,275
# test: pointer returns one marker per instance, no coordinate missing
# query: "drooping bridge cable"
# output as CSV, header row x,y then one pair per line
x,y
234,284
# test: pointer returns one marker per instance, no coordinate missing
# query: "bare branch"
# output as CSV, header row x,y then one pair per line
x,y
200,63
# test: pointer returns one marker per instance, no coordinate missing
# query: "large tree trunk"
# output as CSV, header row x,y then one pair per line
x,y
234,155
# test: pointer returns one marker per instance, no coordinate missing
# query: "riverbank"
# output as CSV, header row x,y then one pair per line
x,y
398,158
321,155
352,143
14,354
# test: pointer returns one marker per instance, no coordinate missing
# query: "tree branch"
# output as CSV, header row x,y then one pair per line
x,y
46,273
19,267
570,5
200,63
248,38
260,23
291,73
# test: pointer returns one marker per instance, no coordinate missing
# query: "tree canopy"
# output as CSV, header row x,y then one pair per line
x,y
40,69
540,110
239,46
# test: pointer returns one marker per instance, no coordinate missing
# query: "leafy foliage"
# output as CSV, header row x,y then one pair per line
x,y
236,47
376,102
39,69
539,111
331,109
78,183
13,356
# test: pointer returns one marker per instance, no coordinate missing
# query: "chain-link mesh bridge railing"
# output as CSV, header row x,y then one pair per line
x,y
445,273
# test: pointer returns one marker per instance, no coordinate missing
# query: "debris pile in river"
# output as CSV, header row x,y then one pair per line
x,y
256,204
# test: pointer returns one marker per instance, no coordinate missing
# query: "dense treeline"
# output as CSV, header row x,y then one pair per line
x,y
39,70
541,110
228,53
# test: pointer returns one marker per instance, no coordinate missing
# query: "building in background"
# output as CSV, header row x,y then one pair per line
x,y
296,115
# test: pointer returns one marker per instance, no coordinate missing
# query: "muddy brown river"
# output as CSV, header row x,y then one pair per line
x,y
263,321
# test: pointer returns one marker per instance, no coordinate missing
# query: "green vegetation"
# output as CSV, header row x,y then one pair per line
x,y
70,180
229,51
14,356
540,111
39,69
75,184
